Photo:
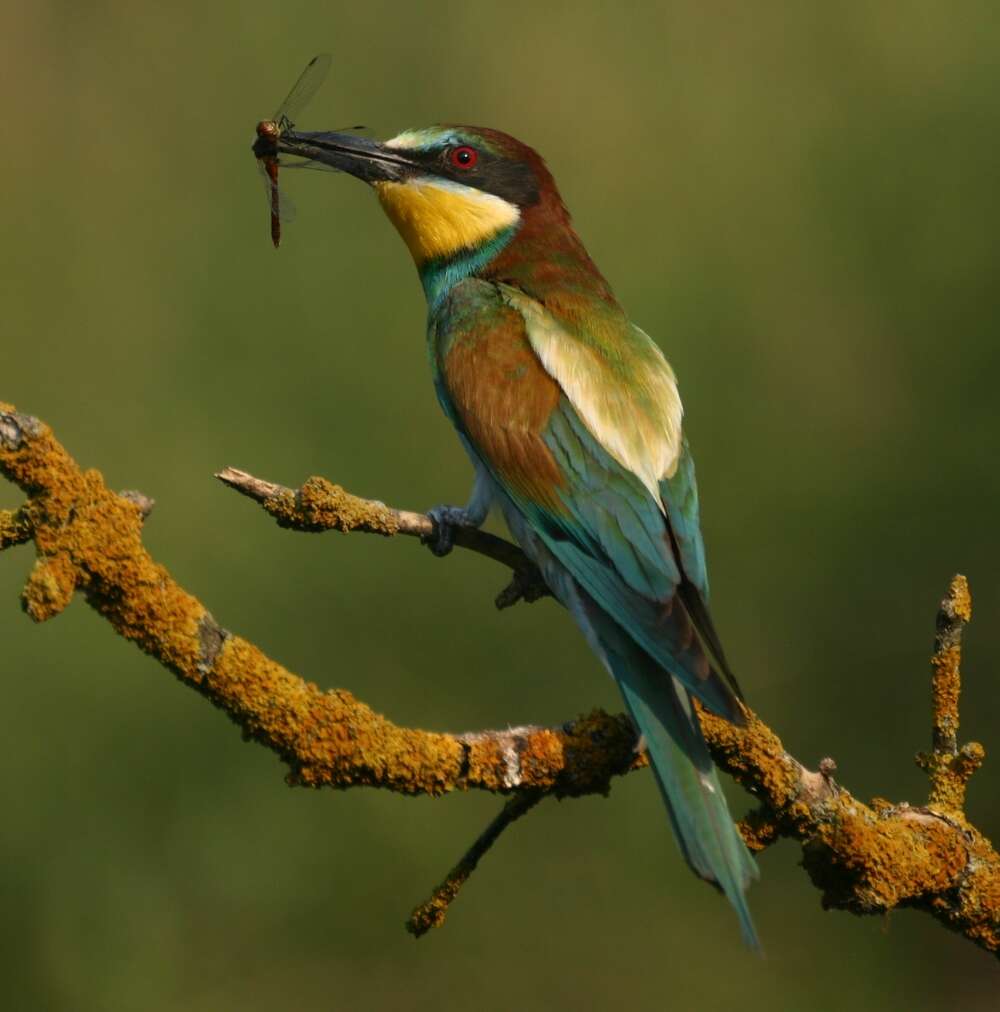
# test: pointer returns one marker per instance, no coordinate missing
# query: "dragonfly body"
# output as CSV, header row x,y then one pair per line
x,y
268,133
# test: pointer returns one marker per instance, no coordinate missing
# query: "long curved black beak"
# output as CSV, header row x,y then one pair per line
x,y
366,159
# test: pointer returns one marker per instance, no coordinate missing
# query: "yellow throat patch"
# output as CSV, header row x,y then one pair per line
x,y
437,219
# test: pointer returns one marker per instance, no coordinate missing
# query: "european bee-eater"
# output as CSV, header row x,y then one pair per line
x,y
571,417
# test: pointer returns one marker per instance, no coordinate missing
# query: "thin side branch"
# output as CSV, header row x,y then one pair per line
x,y
431,914
320,505
867,859
14,528
948,766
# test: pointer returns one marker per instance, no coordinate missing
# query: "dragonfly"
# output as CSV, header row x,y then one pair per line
x,y
269,131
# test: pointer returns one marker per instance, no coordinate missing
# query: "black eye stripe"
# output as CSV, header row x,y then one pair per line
x,y
489,172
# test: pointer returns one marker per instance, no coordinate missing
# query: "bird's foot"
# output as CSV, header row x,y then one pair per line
x,y
446,519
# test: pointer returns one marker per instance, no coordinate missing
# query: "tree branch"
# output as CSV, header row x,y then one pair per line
x,y
431,914
867,859
948,766
321,506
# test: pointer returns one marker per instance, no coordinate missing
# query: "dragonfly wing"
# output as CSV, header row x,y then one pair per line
x,y
309,163
304,88
286,208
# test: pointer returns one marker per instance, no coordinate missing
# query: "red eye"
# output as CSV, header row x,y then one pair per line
x,y
463,157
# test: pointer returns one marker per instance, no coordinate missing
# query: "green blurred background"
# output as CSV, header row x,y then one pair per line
x,y
797,199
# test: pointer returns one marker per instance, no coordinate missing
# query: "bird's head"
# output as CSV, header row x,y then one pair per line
x,y
451,191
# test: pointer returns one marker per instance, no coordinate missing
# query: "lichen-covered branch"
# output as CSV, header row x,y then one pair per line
x,y
867,859
321,506
948,766
14,528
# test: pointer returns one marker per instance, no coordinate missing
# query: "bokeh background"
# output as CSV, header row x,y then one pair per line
x,y
797,199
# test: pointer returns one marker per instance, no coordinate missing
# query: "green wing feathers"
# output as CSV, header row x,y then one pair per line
x,y
663,712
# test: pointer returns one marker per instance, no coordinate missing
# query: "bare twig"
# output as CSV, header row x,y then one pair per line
x,y
140,501
867,859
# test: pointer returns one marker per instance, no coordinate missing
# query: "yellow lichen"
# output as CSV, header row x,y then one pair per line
x,y
14,528
322,506
50,587
948,766
961,598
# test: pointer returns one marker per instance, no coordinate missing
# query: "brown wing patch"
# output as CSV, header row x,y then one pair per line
x,y
504,397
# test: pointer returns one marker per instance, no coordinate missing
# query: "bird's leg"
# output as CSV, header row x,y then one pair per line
x,y
446,519
473,514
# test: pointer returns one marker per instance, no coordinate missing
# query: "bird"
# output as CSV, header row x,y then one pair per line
x,y
571,417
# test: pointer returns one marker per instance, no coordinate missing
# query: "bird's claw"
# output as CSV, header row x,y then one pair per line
x,y
446,519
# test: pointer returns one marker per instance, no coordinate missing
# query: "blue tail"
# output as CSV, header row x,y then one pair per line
x,y
663,712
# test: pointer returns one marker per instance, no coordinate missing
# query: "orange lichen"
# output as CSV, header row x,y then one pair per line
x,y
754,755
14,528
322,506
433,912
961,598
759,829
327,738
975,912
50,587
946,687
948,766
871,864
